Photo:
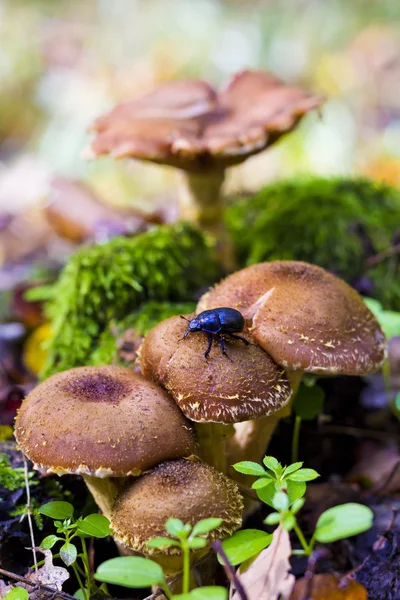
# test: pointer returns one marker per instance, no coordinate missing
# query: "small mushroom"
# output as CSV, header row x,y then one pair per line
x,y
188,125
213,391
183,489
308,320
103,423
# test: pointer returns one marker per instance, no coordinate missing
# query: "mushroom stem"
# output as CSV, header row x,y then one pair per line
x,y
212,438
105,491
252,437
202,202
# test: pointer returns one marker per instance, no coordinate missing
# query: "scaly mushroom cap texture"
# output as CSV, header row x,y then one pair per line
x,y
182,489
304,317
213,389
101,421
187,124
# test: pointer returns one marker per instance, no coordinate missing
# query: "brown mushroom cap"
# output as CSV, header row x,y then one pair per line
x,y
216,389
188,125
304,317
102,421
182,489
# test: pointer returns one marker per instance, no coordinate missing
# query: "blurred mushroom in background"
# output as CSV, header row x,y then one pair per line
x,y
188,125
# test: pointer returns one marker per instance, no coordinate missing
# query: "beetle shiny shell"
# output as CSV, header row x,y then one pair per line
x,y
217,321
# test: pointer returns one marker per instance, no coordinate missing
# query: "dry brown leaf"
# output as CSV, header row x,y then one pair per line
x,y
269,577
49,574
329,587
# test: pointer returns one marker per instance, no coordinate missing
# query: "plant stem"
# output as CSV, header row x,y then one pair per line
x,y
80,583
166,590
295,439
86,566
186,567
302,539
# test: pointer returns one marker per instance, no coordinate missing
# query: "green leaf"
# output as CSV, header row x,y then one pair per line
x,y
205,526
80,594
288,521
280,501
162,542
297,505
197,543
94,526
343,521
266,494
309,402
291,468
397,401
204,593
17,593
174,527
249,468
304,475
57,510
49,541
245,544
271,463
211,592
131,572
273,518
295,490
262,482
68,553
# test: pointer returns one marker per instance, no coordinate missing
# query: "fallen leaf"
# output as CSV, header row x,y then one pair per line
x,y
48,574
329,587
268,577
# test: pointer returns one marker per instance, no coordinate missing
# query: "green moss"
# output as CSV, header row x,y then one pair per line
x,y
335,223
105,283
142,320
13,478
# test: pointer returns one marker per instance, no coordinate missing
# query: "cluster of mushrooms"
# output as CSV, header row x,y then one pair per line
x,y
157,445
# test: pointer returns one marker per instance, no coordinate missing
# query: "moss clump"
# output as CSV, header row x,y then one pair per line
x,y
13,478
142,320
335,223
105,283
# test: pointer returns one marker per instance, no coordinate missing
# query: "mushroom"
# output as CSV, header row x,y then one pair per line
x,y
183,489
308,320
103,423
213,392
188,125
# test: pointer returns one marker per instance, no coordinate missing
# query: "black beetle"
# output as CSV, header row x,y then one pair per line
x,y
216,322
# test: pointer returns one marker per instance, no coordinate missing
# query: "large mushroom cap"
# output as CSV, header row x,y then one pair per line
x,y
102,421
182,489
217,389
188,125
304,317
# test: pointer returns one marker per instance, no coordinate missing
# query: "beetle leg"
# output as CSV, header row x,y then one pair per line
x,y
239,337
222,343
210,341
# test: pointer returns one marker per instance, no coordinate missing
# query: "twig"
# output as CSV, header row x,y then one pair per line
x,y
229,570
381,540
36,585
377,258
315,557
380,487
29,513
359,432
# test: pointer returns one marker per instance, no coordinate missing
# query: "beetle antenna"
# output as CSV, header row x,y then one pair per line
x,y
182,317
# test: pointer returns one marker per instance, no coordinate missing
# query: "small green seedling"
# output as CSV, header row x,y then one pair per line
x,y
69,529
283,489
138,572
